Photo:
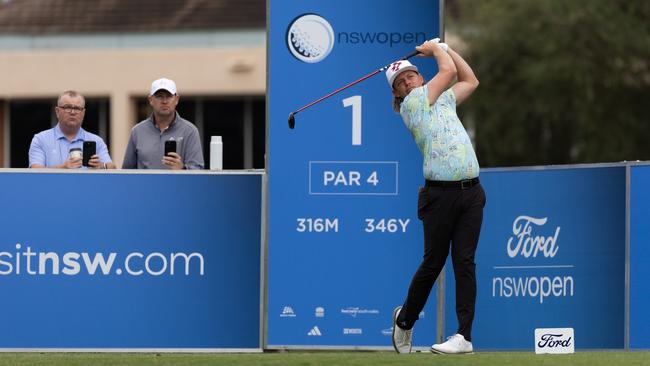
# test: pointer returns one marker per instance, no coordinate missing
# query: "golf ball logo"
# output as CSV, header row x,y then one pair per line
x,y
310,38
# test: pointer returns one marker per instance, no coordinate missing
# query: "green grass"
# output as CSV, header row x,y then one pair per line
x,y
326,358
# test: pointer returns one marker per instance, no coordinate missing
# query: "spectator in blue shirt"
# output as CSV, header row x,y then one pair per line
x,y
51,148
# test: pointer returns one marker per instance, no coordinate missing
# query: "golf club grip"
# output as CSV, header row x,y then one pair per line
x,y
410,55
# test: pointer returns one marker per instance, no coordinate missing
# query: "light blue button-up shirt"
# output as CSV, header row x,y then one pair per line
x,y
51,147
445,146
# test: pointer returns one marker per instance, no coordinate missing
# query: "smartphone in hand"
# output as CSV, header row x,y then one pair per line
x,y
170,146
89,149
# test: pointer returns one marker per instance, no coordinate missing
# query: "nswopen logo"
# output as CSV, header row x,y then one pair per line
x,y
310,38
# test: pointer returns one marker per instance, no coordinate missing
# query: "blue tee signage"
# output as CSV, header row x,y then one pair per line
x,y
344,238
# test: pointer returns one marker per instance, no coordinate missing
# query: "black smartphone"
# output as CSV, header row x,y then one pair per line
x,y
170,146
89,149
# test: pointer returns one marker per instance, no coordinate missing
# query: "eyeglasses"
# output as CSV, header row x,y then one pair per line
x,y
71,108
164,96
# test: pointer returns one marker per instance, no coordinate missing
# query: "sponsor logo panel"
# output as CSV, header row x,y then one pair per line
x,y
314,332
351,331
554,340
287,312
541,276
319,312
354,311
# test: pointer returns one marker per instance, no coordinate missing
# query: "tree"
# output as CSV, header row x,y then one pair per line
x,y
562,81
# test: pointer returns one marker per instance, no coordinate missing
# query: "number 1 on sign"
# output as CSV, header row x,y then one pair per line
x,y
355,102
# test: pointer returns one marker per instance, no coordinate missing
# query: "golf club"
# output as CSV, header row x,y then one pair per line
x,y
292,115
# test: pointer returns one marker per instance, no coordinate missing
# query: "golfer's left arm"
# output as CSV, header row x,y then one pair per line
x,y
467,81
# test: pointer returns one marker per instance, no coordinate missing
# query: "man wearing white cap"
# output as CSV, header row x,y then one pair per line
x,y
146,146
451,202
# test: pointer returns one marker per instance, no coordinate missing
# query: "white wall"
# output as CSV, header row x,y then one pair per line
x,y
124,74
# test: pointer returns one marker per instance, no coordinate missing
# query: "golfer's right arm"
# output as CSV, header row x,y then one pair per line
x,y
467,81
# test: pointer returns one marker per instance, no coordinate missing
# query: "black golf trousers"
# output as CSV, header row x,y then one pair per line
x,y
451,217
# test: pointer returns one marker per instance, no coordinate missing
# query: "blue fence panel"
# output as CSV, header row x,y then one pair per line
x,y
551,254
639,256
130,260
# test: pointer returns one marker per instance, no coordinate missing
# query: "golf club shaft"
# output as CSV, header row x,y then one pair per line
x,y
337,91
352,83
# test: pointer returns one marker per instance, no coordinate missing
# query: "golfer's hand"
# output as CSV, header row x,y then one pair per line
x,y
429,48
173,161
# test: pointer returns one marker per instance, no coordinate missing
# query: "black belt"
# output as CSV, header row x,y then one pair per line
x,y
456,184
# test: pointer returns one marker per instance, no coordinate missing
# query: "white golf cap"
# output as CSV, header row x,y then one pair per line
x,y
397,68
163,83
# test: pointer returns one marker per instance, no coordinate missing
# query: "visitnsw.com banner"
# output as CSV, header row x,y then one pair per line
x,y
92,261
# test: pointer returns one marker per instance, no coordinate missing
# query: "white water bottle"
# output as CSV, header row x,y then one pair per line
x,y
216,153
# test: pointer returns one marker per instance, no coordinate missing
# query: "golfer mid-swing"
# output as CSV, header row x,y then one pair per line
x,y
451,202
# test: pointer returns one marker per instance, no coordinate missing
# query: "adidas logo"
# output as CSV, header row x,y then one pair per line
x,y
314,332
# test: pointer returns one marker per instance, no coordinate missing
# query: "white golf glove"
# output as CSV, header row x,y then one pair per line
x,y
442,45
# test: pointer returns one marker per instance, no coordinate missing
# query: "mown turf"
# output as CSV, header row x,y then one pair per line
x,y
295,358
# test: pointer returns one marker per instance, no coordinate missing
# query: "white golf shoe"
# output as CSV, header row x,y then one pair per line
x,y
455,344
401,338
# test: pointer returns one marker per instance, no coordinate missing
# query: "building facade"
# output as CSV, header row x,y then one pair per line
x,y
111,51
